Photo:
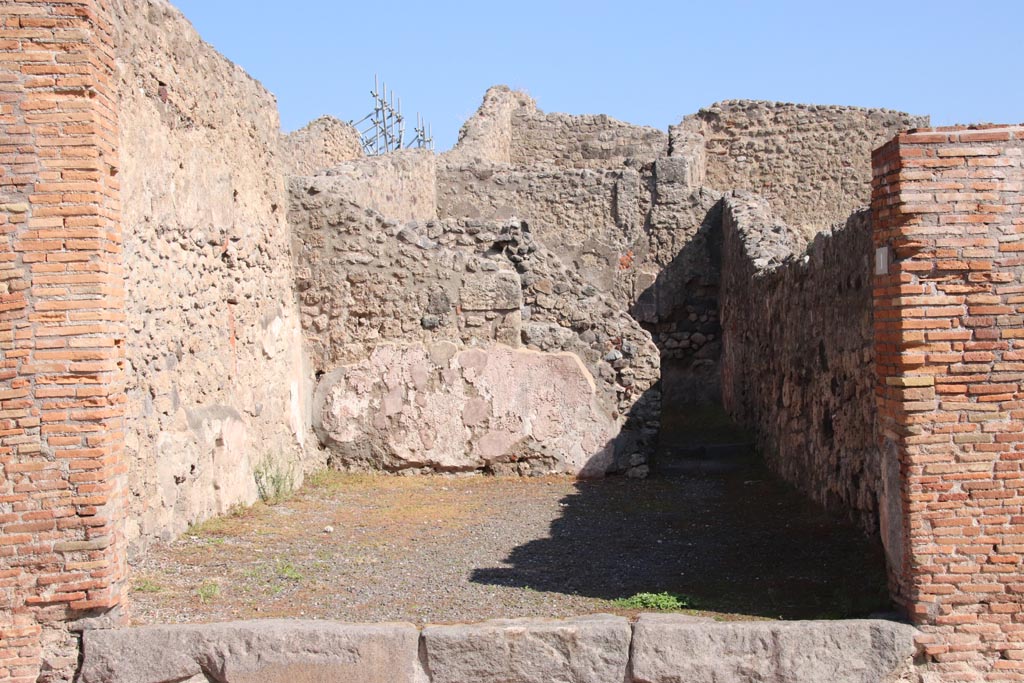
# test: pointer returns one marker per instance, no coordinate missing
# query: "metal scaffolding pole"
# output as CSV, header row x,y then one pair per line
x,y
384,129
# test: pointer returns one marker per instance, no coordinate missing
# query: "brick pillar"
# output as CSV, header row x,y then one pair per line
x,y
948,208
61,330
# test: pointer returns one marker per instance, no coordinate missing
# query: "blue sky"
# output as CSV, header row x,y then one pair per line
x,y
643,62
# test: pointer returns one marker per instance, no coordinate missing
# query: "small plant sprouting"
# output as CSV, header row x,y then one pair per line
x,y
286,570
208,591
274,481
146,586
665,602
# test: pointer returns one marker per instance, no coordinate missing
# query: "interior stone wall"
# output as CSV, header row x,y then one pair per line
x,y
401,185
582,141
811,162
319,145
509,129
214,350
797,363
487,135
591,219
366,281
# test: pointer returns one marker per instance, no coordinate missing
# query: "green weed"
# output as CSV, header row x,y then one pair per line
x,y
146,586
666,602
208,591
274,482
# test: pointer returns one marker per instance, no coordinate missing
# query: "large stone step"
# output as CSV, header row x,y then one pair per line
x,y
657,648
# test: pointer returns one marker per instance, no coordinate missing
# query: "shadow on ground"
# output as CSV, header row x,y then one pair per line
x,y
711,524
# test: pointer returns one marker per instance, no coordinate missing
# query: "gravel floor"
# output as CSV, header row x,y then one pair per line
x,y
447,549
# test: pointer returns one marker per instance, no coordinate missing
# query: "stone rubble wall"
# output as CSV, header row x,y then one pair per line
x,y
811,162
798,364
509,129
401,185
674,273
487,135
600,648
365,281
648,237
582,141
321,144
214,349
591,219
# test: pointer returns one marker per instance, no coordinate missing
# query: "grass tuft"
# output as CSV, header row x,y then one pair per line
x,y
146,586
665,602
208,591
275,483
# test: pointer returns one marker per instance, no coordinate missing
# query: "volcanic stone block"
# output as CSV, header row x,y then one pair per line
x,y
492,291
671,648
591,649
272,651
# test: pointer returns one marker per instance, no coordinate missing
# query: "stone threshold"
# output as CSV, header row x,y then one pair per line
x,y
600,648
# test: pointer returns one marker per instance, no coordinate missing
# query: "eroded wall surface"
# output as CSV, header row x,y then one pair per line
x,y
812,162
366,281
319,145
487,135
587,141
509,129
215,373
797,364
591,219
401,185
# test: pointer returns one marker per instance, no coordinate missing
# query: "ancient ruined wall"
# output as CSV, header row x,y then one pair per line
x,y
587,141
368,284
509,129
797,363
591,219
648,238
812,162
62,335
319,145
487,136
949,219
673,278
215,381
401,185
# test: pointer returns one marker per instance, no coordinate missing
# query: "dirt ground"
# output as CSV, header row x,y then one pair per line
x,y
730,541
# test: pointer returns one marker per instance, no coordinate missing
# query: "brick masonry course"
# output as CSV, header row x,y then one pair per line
x,y
948,221
62,332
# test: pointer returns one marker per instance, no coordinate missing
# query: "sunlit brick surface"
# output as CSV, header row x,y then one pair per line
x,y
949,335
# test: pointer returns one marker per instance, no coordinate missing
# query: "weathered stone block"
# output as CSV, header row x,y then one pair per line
x,y
494,291
592,649
272,651
409,406
671,648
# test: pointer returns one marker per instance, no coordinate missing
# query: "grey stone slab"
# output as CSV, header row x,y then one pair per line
x,y
676,648
271,651
592,649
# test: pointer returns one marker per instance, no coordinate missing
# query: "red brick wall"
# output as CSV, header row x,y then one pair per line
x,y
61,329
949,337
